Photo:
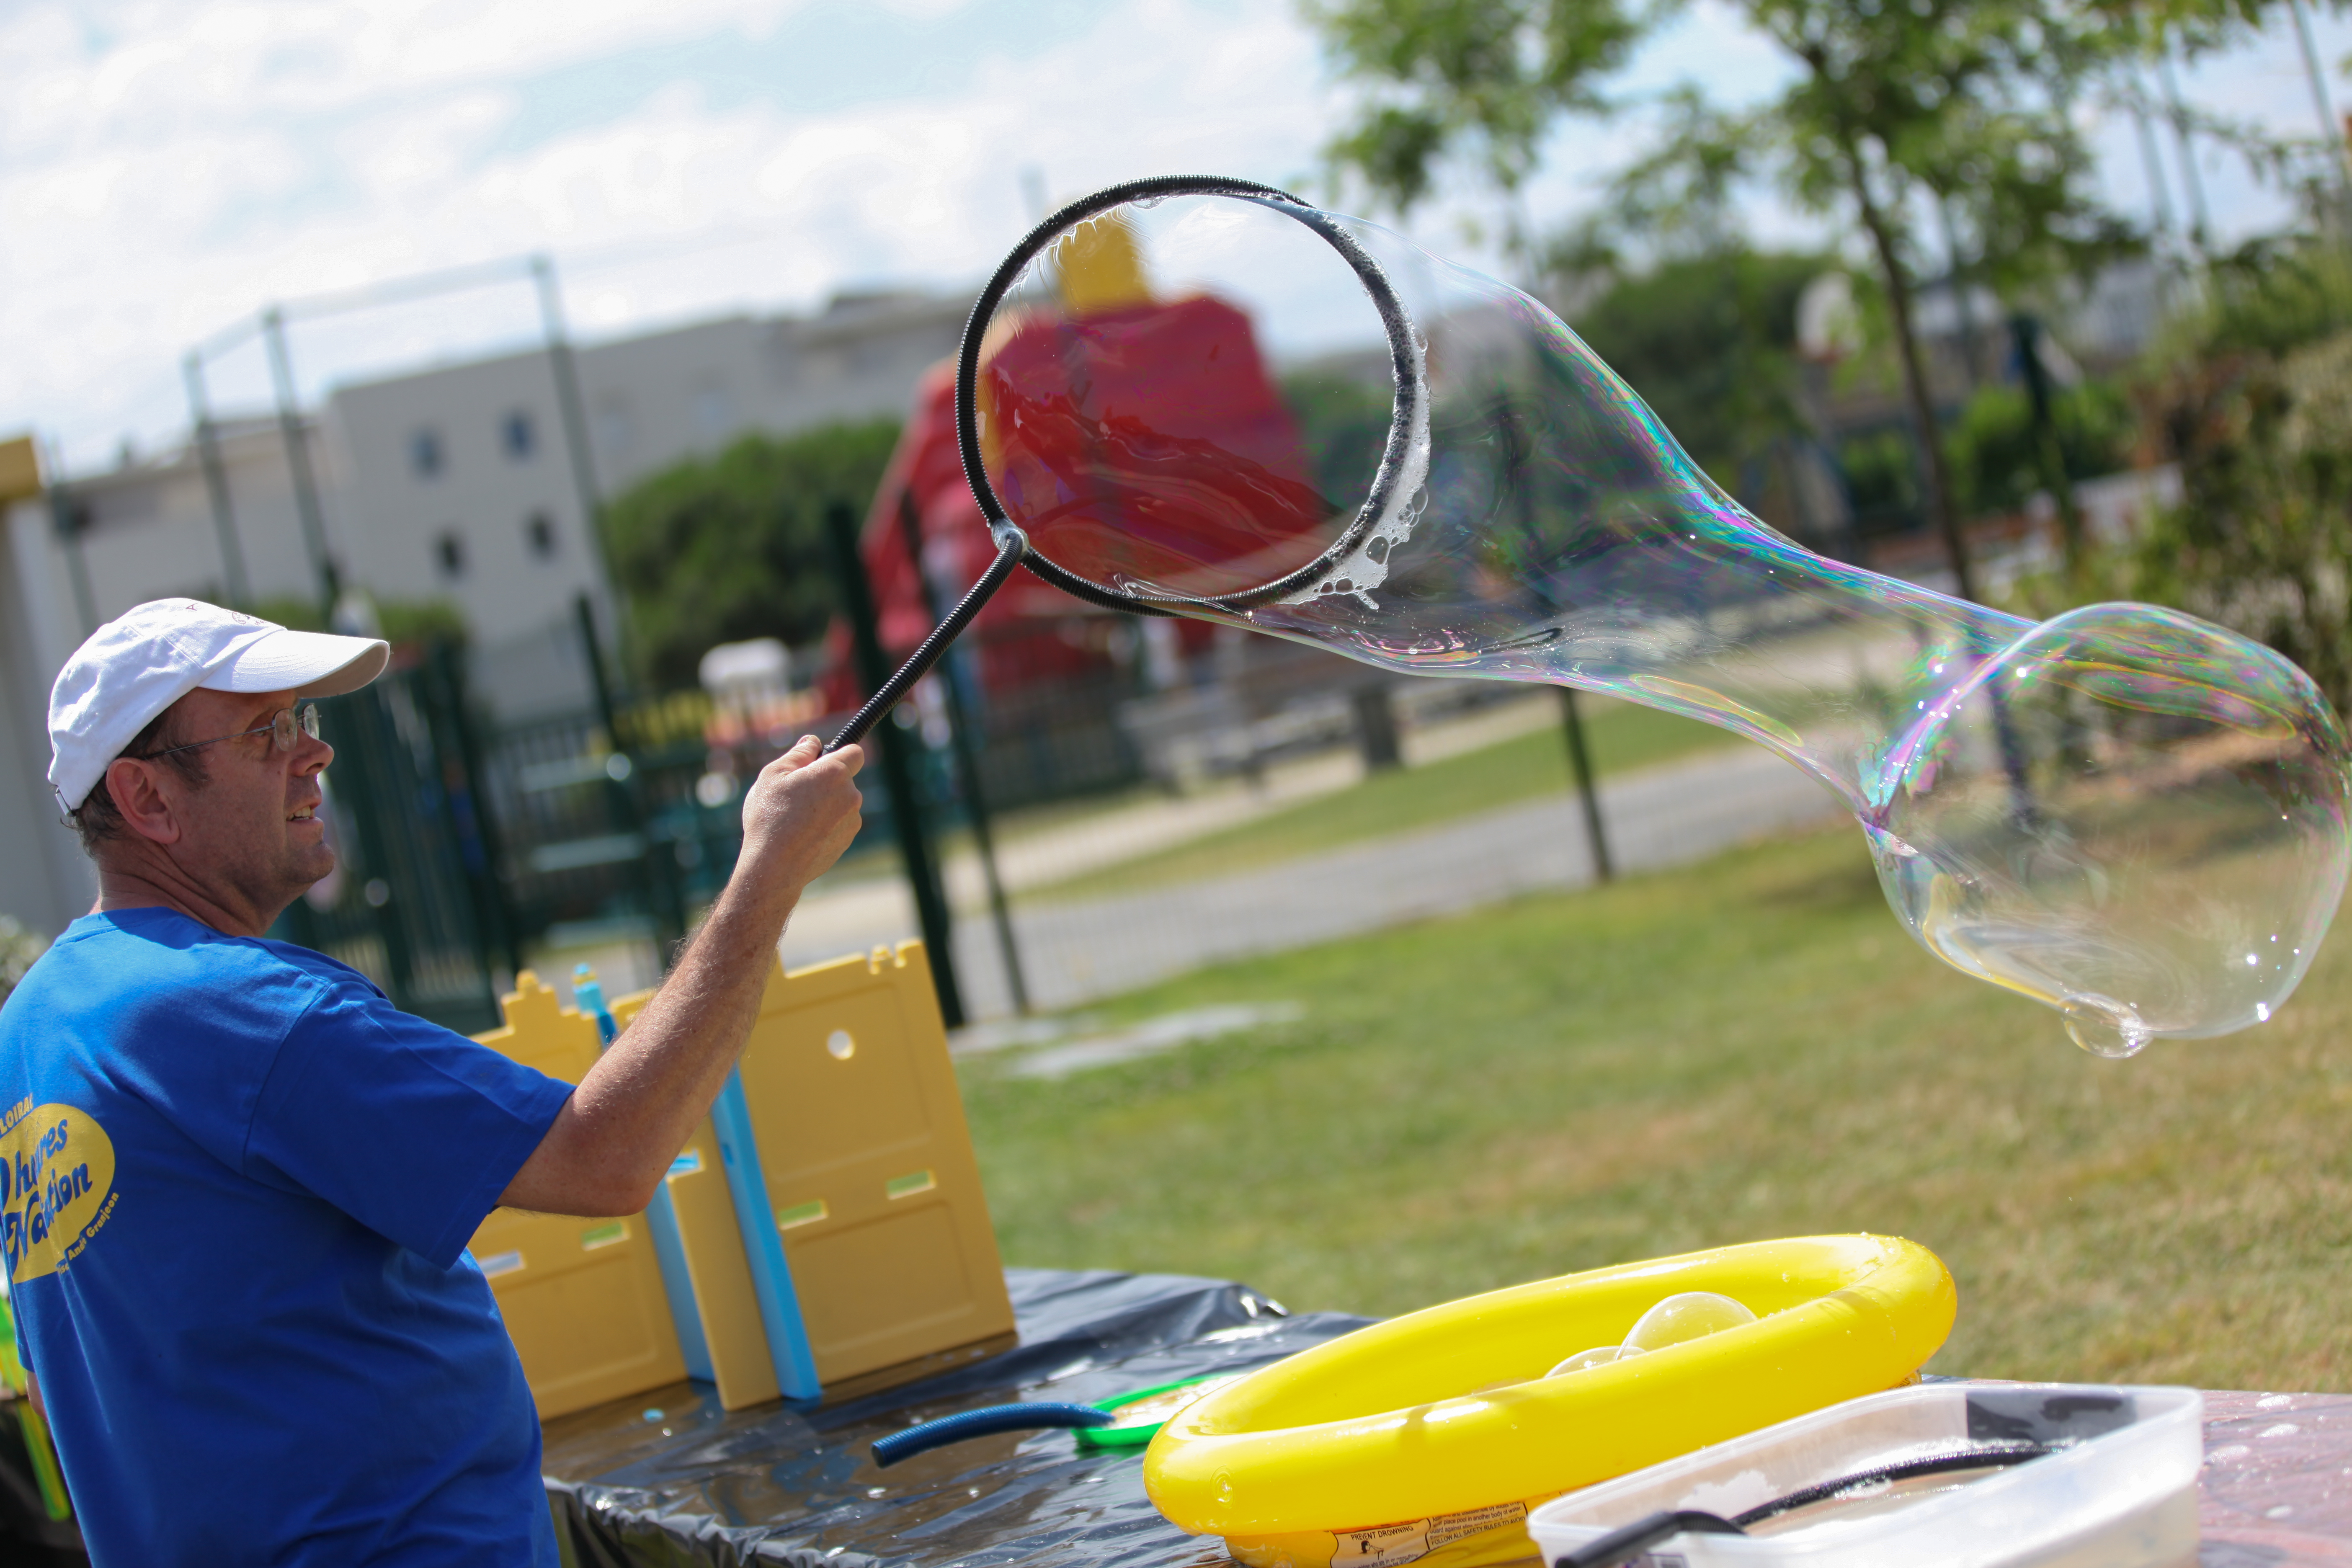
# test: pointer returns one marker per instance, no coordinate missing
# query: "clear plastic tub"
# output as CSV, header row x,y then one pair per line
x,y
2118,1488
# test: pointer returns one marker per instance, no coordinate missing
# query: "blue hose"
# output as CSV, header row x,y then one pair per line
x,y
955,1428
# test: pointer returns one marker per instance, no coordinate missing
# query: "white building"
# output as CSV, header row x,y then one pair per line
x,y
454,482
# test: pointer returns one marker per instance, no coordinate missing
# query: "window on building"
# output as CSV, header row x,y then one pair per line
x,y
450,553
617,429
713,413
539,533
518,434
425,455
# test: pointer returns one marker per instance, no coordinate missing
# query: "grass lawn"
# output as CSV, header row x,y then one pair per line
x,y
1743,1049
1618,736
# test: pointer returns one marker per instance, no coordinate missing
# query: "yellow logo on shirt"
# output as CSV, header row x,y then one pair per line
x,y
57,1186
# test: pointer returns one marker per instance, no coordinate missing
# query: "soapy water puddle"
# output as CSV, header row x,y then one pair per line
x,y
1047,1050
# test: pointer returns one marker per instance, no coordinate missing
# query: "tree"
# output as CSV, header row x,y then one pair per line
x,y
1899,103
1487,77
1964,100
1999,456
731,547
2255,404
2260,543
1709,342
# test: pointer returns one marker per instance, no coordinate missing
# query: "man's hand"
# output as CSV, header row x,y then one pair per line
x,y
614,1139
798,816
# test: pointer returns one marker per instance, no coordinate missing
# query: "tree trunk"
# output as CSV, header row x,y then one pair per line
x,y
1915,378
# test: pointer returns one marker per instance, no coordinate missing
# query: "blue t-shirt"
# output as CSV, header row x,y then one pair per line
x,y
238,1185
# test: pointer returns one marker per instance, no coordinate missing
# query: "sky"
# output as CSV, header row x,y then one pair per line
x,y
170,167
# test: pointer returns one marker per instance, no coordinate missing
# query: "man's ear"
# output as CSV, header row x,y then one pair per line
x,y
140,802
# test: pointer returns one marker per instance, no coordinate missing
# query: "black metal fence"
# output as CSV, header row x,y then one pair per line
x,y
416,902
468,843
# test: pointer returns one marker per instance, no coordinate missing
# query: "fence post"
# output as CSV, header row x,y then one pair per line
x,y
1376,727
967,761
664,904
368,761
1580,762
297,442
233,581
456,731
2049,455
898,766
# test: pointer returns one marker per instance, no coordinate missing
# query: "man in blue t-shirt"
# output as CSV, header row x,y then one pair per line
x,y
237,1185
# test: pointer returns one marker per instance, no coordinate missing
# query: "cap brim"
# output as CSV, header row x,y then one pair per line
x,y
307,664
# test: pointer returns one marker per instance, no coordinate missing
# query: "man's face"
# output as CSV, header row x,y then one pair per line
x,y
252,830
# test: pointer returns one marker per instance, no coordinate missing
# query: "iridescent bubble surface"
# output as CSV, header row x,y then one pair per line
x,y
2132,816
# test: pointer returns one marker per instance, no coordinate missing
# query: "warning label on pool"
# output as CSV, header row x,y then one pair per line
x,y
1389,1545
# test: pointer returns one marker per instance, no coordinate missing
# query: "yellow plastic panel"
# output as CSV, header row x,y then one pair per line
x,y
706,1233
856,1110
541,1033
20,469
581,1297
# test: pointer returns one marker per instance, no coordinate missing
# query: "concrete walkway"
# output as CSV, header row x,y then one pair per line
x,y
1073,953
844,909
1073,846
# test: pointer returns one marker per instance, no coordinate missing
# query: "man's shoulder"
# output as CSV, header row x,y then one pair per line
x,y
156,931
148,961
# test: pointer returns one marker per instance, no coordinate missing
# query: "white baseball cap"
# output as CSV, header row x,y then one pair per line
x,y
147,658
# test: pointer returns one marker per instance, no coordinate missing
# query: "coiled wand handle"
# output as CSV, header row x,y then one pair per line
x,y
1012,544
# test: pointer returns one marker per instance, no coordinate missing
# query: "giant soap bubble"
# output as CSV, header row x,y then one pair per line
x,y
1204,397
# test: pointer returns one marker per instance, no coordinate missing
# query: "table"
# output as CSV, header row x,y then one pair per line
x,y
2277,1487
669,1478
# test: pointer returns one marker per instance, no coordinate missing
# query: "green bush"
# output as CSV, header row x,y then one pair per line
x,y
2252,397
1709,344
1882,478
19,948
726,547
2261,540
1995,450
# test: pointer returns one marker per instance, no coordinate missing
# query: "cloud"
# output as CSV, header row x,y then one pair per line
x,y
179,166
168,168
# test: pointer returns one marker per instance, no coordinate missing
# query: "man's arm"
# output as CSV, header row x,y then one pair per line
x,y
614,1140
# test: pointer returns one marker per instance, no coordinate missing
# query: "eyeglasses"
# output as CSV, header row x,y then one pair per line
x,y
286,727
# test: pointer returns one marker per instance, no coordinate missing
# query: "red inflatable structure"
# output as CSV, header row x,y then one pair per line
x,y
1067,419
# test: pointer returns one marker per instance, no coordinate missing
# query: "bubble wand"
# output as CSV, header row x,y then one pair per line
x,y
2128,814
1012,544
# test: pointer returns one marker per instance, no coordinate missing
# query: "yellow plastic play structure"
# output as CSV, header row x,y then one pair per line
x,y
1429,1438
581,1297
40,1450
870,1180
870,1173
721,1276
871,1183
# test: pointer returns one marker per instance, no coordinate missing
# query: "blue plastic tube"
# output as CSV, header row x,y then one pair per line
x,y
995,1418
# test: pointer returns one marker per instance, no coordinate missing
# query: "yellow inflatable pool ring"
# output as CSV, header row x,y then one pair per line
x,y
1431,1435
